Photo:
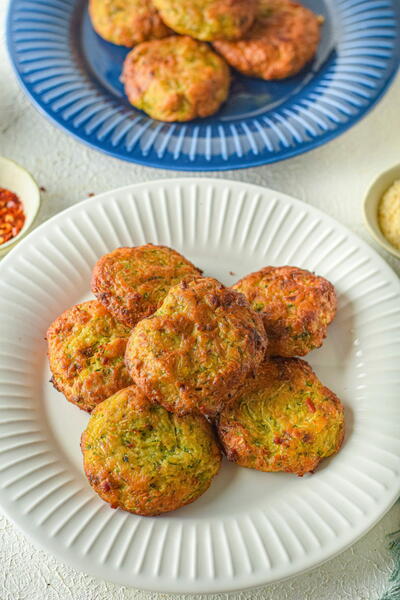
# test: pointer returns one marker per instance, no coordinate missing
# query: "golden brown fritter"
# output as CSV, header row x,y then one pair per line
x,y
127,22
296,305
133,282
208,20
143,459
197,349
284,419
176,79
283,39
86,348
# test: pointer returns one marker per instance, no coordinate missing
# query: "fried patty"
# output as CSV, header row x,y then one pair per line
x,y
127,22
283,39
139,457
296,305
283,420
197,349
175,79
86,348
133,282
208,20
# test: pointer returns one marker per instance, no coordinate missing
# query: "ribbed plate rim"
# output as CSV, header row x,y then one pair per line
x,y
216,163
216,183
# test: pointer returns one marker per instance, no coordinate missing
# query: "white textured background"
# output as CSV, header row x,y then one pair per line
x,y
332,178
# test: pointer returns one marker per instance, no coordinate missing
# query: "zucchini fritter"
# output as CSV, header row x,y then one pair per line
x,y
283,39
141,458
208,19
296,305
284,419
197,349
176,79
86,347
127,22
133,282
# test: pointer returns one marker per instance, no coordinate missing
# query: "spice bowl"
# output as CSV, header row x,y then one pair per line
x,y
16,179
371,202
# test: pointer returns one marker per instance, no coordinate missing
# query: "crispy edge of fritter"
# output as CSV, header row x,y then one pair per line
x,y
161,79
251,55
282,343
241,12
100,287
66,321
136,29
106,485
287,368
224,383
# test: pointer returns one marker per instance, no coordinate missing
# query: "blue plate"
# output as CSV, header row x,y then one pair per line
x,y
72,76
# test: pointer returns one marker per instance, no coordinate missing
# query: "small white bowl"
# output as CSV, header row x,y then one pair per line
x,y
371,203
15,178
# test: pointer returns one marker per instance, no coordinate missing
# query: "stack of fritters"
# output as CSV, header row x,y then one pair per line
x,y
173,358
179,77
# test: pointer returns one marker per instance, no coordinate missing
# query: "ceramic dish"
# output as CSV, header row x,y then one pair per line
x,y
73,77
371,202
15,178
249,528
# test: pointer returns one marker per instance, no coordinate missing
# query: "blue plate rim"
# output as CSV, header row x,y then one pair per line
x,y
245,163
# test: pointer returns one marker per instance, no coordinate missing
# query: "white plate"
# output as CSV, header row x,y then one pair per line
x,y
250,528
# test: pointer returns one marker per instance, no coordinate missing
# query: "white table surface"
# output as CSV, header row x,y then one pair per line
x,y
332,178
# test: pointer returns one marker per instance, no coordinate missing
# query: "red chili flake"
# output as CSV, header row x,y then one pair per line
x,y
310,405
91,194
232,273
278,440
12,217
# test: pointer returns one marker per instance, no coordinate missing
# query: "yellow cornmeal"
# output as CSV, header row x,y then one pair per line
x,y
389,214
